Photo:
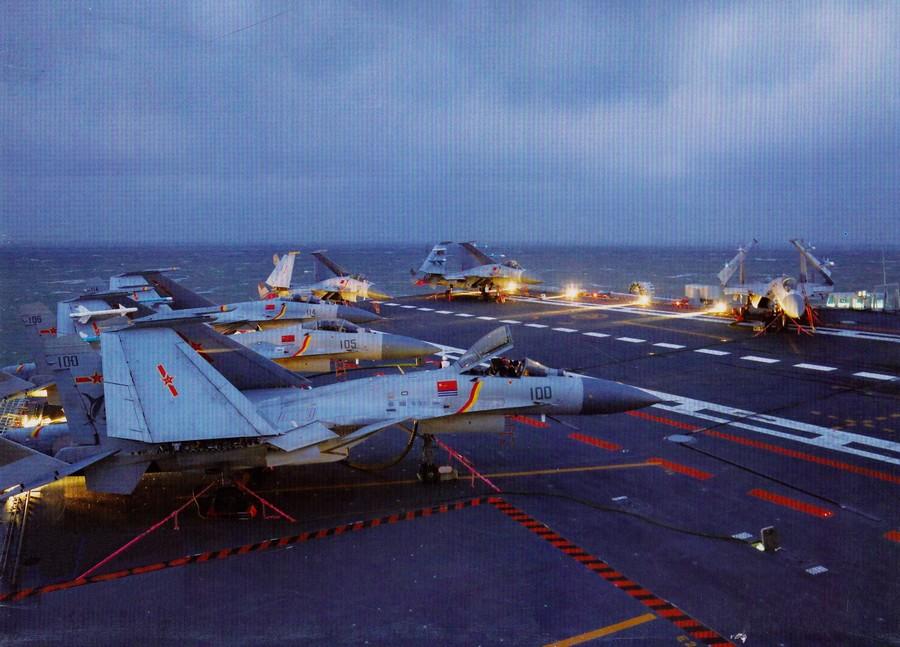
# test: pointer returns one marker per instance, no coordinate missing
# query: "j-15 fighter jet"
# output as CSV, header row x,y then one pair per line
x,y
477,271
782,300
153,288
331,281
169,408
297,342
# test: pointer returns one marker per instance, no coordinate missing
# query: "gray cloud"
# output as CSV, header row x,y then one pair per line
x,y
231,122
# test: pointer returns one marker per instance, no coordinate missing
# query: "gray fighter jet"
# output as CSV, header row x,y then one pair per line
x,y
173,409
477,271
308,346
783,299
154,289
331,281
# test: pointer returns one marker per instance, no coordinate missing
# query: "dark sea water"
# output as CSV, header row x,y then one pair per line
x,y
228,274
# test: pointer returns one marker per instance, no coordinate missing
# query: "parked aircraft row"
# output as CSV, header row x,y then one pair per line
x,y
149,375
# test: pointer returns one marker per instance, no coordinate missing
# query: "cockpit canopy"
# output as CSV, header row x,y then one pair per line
x,y
513,264
332,325
789,284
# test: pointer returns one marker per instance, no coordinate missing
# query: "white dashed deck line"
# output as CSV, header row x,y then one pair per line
x,y
712,351
426,309
815,367
533,325
510,321
464,314
391,304
408,307
631,340
487,318
443,312
875,376
564,329
595,334
663,344
838,440
761,360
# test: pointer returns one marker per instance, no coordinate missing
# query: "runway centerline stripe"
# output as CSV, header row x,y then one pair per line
x,y
761,360
464,314
224,553
483,318
631,340
443,312
815,367
595,334
564,329
712,351
534,325
793,504
510,321
663,344
875,376
660,607
604,631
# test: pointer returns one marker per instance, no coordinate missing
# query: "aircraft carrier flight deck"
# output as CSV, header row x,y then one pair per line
x,y
755,504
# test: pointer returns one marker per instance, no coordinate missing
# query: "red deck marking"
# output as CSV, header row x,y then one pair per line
x,y
238,550
892,535
531,422
847,467
666,421
693,472
596,442
793,504
661,607
775,449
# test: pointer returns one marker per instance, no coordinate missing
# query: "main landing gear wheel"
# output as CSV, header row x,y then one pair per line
x,y
428,469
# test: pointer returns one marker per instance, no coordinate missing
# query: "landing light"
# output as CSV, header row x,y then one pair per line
x,y
718,307
512,287
644,300
572,292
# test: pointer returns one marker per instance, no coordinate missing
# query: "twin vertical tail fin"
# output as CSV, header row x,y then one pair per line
x,y
281,276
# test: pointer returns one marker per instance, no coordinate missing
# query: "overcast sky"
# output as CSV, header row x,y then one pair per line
x,y
600,122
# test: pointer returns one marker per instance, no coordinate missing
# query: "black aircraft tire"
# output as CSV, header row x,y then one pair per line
x,y
429,474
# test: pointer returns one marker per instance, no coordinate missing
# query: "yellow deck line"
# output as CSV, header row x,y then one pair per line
x,y
604,631
496,475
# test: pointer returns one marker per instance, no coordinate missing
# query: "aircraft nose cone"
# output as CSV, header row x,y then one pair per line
x,y
356,315
530,278
792,305
604,396
400,347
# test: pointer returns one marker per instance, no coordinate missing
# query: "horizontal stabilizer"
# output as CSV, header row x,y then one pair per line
x,y
11,385
23,469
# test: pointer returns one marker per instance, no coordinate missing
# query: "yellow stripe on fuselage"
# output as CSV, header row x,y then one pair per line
x,y
280,312
473,398
303,346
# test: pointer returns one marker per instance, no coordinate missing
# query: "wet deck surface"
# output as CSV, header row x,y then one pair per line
x,y
605,532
